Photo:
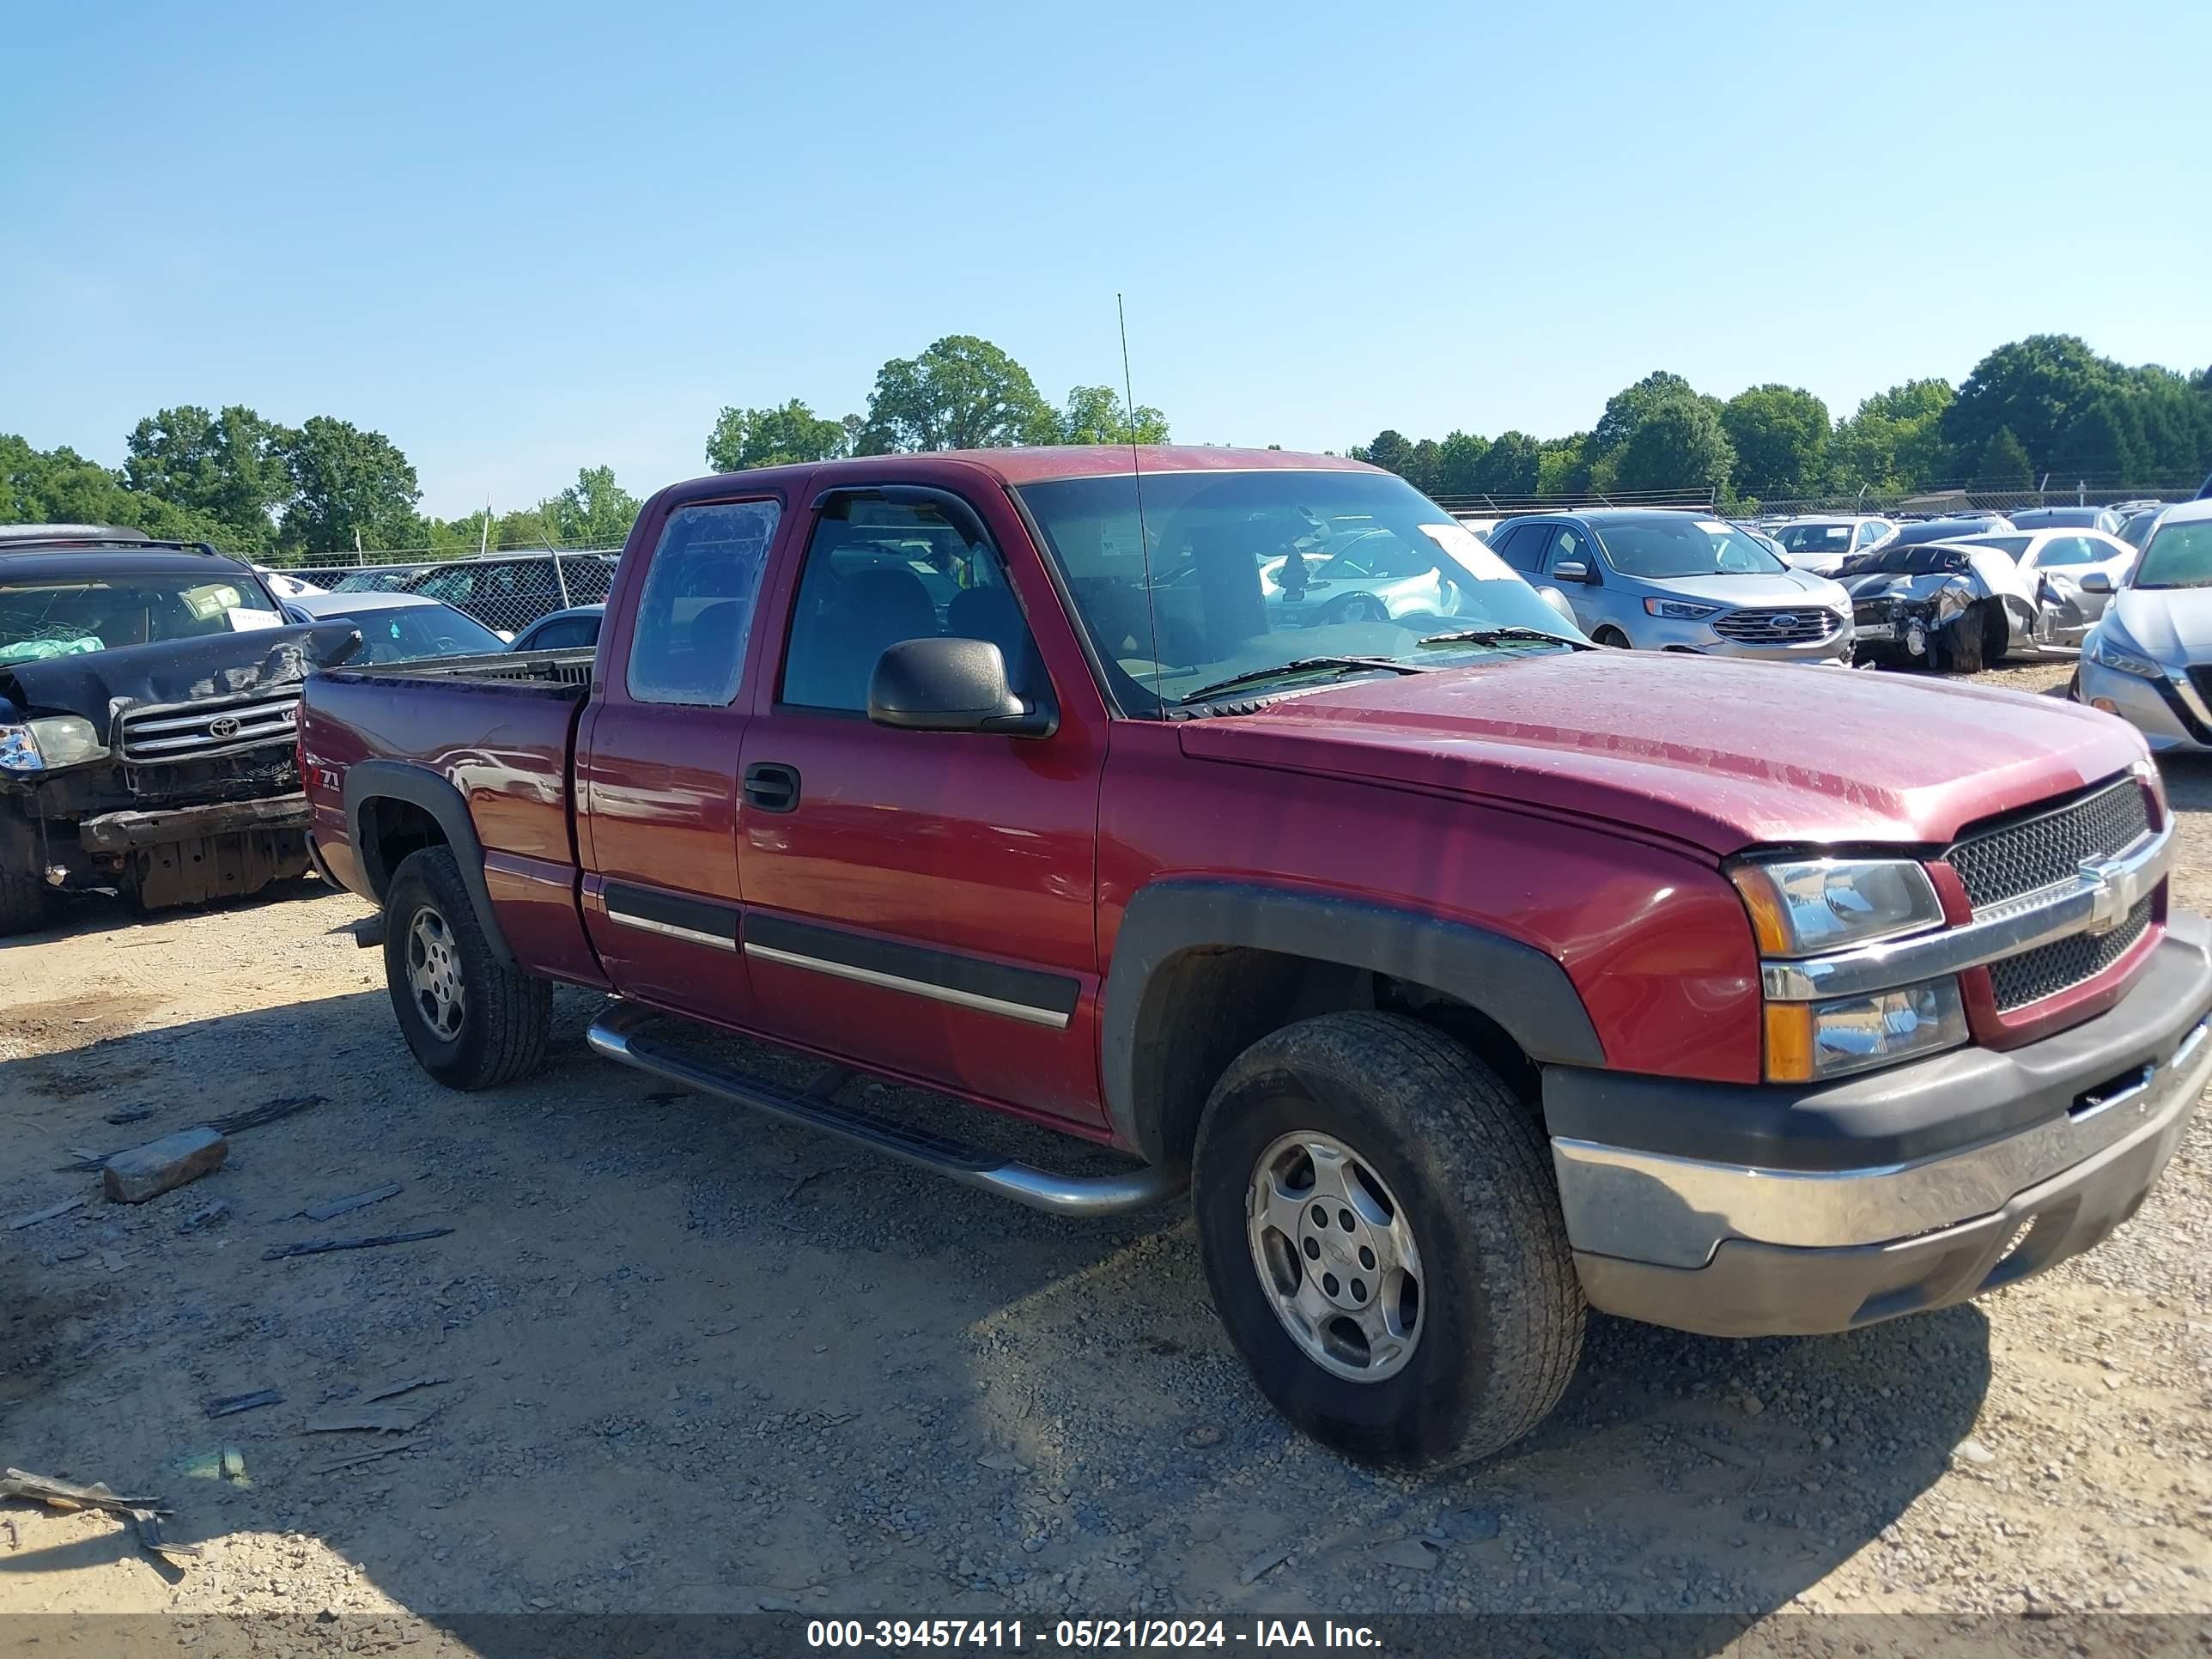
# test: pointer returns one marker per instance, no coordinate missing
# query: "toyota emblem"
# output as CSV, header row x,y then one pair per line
x,y
223,726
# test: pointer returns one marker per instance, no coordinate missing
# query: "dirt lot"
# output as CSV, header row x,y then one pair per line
x,y
700,1362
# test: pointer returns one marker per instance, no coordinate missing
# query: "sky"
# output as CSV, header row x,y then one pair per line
x,y
524,238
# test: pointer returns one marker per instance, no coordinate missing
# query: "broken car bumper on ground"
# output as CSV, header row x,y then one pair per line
x,y
1884,1194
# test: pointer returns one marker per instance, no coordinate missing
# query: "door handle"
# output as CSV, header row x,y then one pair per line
x,y
772,786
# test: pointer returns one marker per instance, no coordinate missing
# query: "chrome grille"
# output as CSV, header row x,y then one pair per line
x,y
196,730
2010,860
1777,625
2050,968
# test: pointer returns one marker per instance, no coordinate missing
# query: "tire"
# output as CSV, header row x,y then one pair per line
x,y
1496,1330
495,1027
22,904
1614,637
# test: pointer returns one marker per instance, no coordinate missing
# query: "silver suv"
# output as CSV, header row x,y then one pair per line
x,y
1677,581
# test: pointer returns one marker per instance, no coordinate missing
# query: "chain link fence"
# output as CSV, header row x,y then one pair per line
x,y
505,592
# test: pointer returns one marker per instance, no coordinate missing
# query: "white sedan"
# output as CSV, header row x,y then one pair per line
x,y
2067,556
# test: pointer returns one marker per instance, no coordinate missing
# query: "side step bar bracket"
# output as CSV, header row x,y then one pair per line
x,y
617,1034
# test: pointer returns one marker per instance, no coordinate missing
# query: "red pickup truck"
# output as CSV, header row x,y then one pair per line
x,y
1241,812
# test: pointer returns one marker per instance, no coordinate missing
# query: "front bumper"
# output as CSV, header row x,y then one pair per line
x,y
127,832
1743,1212
2169,712
1651,633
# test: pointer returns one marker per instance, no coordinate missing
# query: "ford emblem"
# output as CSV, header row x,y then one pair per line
x,y
223,726
1783,621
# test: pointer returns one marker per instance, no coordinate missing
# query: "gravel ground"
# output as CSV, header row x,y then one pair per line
x,y
697,1362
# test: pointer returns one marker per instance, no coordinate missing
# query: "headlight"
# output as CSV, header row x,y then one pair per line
x,y
1800,906
2105,652
1679,610
19,750
1809,1042
66,739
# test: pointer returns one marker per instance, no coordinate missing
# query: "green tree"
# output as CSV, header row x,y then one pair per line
x,y
229,468
2035,389
2105,439
1421,464
593,512
59,486
1457,459
1678,443
961,393
746,438
348,483
1563,465
1097,415
1895,440
2004,463
1512,464
1627,407
1780,434
1391,450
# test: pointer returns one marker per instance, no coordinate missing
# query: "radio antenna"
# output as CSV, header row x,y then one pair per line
x,y
1137,481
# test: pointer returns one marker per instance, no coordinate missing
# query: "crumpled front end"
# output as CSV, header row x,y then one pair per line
x,y
180,782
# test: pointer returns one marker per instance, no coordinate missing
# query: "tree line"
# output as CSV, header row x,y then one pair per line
x,y
319,490
2046,406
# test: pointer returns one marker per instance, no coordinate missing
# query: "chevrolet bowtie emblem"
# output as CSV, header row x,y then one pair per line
x,y
2102,877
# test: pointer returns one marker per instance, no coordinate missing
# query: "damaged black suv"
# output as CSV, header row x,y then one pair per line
x,y
148,695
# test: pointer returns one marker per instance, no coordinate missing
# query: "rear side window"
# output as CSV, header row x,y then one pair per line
x,y
689,645
1522,548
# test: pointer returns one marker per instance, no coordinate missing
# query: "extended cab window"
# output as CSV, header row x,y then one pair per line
x,y
878,572
689,645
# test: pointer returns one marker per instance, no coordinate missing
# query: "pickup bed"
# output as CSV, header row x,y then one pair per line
x,y
1241,813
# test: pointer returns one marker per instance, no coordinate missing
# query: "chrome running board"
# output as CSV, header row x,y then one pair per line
x,y
616,1034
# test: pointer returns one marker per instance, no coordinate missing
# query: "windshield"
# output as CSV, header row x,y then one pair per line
x,y
400,632
2179,556
43,618
1232,574
1659,548
1815,538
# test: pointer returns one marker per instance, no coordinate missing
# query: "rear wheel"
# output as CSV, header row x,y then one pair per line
x,y
473,1021
1381,1234
22,903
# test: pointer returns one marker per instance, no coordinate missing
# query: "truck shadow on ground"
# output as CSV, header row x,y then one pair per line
x,y
701,1363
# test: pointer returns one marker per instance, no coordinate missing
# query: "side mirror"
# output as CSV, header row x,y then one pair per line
x,y
951,685
1558,601
1571,570
2096,582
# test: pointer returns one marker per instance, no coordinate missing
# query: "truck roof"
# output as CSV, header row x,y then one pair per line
x,y
1035,464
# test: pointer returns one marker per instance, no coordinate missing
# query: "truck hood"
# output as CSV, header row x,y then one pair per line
x,y
93,685
1720,753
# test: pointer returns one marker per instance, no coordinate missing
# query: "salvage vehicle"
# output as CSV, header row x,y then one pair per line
x,y
398,627
563,630
1670,581
1468,976
1959,606
148,694
1913,532
2149,659
1820,544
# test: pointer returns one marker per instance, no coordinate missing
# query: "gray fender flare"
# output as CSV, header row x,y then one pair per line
x,y
369,781
1522,989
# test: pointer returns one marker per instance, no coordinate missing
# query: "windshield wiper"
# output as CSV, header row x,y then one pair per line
x,y
1502,635
1302,665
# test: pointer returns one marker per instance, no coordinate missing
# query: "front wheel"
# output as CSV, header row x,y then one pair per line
x,y
22,903
473,1021
1380,1230
1614,637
